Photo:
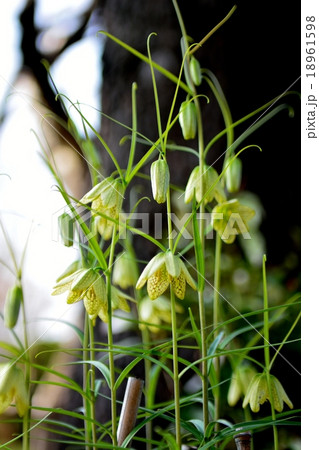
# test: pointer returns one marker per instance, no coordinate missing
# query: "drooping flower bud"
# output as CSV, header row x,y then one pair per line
x,y
12,306
66,229
195,71
160,180
233,175
188,120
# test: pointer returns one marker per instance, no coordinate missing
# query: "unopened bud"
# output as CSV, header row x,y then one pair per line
x,y
233,175
66,229
12,306
160,180
188,120
195,71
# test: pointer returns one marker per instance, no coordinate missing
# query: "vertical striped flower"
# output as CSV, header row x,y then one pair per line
x,y
188,119
160,180
233,175
163,270
106,198
12,305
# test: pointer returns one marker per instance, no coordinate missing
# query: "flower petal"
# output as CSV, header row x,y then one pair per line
x,y
157,283
172,263
187,276
155,263
96,190
279,395
84,279
179,286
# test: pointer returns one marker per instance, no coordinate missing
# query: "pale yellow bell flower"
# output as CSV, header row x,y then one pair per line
x,y
84,284
163,270
208,179
124,273
239,383
230,219
258,393
106,198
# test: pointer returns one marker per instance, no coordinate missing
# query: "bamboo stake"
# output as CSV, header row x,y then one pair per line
x,y
243,441
130,406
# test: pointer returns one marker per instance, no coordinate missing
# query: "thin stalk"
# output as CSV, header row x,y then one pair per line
x,y
147,372
208,35
26,417
201,304
110,340
157,106
284,340
174,334
175,371
92,382
134,128
86,405
267,353
201,156
216,320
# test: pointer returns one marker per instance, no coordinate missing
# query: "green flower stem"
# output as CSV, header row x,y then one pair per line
x,y
147,372
201,155
92,382
110,339
216,320
26,417
208,35
174,333
157,106
284,340
201,304
134,128
267,353
86,402
175,371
